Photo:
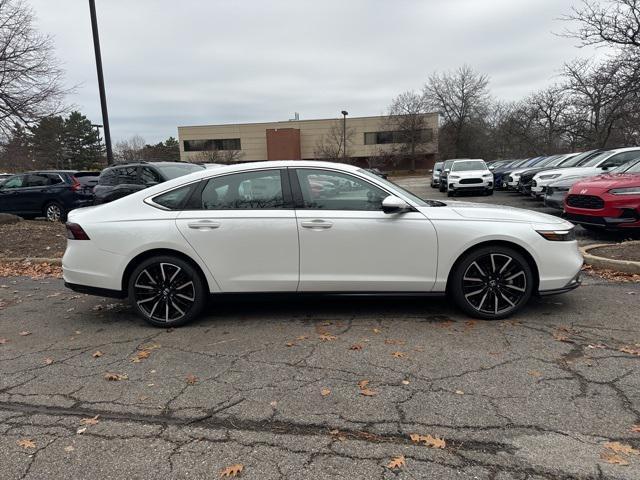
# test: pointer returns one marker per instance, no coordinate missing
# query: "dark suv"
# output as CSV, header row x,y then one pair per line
x,y
124,179
50,193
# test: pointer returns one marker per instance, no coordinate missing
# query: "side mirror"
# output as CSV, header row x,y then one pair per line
x,y
393,204
605,168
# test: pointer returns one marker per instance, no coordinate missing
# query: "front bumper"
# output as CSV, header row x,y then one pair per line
x,y
555,199
456,185
572,285
618,212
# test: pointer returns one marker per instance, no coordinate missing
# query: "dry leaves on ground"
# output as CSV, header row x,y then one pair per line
x,y
355,346
48,361
611,274
232,470
27,269
630,350
326,337
397,462
24,333
399,354
614,459
459,392
635,429
535,373
26,443
364,390
191,379
428,440
325,392
97,354
115,377
621,448
140,355
617,453
90,421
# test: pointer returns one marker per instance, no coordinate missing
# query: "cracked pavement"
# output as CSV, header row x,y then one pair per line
x,y
533,397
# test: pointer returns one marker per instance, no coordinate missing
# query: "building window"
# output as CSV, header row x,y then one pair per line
x,y
381,138
211,145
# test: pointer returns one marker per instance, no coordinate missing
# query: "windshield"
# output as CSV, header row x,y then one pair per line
x,y
175,170
575,161
468,165
556,161
419,201
597,159
545,161
447,164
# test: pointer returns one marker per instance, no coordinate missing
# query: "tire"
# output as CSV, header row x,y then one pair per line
x,y
442,187
451,193
54,212
168,285
489,192
499,282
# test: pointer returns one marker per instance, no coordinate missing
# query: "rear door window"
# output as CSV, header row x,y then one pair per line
x,y
247,190
38,180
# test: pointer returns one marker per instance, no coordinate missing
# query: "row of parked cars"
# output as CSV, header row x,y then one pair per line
x,y
597,189
54,193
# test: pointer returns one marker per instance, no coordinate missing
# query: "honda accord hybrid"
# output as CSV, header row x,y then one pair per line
x,y
311,227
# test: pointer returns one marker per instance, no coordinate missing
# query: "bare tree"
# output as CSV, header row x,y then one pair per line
x,y
129,150
612,22
218,156
331,146
462,99
30,78
408,127
548,109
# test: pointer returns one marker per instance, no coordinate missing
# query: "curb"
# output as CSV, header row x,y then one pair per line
x,y
50,261
626,266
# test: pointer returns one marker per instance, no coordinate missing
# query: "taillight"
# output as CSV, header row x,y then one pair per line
x,y
75,232
76,185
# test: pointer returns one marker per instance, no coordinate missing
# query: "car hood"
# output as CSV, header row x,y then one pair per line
x,y
498,213
470,173
568,181
565,172
606,182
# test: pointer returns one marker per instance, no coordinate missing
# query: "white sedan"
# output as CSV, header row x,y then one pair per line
x,y
279,227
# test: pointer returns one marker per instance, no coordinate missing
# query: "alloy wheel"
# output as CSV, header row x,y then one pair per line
x,y
53,213
164,292
494,283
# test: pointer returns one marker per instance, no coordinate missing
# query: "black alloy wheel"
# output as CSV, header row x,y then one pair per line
x,y
166,291
492,282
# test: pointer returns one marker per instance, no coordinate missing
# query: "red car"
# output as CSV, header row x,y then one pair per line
x,y
607,201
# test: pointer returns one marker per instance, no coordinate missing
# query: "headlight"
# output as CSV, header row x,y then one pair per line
x,y
454,177
558,235
549,177
625,191
487,175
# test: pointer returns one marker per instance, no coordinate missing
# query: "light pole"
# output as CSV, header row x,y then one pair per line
x,y
344,135
103,95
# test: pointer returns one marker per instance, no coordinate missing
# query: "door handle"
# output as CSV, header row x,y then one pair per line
x,y
317,224
204,225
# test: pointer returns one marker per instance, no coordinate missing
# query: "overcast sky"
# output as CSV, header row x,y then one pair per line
x,y
190,62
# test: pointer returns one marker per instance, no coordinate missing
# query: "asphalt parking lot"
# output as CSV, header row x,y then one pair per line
x,y
321,387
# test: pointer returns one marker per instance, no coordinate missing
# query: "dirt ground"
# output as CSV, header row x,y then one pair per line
x,y
32,238
623,251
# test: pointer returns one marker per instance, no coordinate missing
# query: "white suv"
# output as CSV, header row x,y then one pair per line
x,y
599,164
469,175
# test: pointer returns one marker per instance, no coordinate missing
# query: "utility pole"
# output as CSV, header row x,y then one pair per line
x,y
103,95
344,135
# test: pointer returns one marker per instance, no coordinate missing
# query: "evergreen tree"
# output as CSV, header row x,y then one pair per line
x,y
15,155
47,142
82,143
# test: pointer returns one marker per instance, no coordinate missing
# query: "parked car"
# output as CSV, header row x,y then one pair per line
x,y
469,176
49,193
212,234
512,177
446,166
556,192
435,174
602,162
124,179
565,161
500,172
607,201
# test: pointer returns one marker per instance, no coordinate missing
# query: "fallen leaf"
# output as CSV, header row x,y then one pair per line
x,y
290,344
406,382
428,440
90,421
325,392
355,346
363,384
621,448
302,337
562,338
141,355
535,373
327,337
614,459
97,354
26,443
48,361
376,330
232,470
459,392
273,404
368,392
115,377
396,462
24,333
399,354
469,324
635,429
630,350
69,448
191,379
81,430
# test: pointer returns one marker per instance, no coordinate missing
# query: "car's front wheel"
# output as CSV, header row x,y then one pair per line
x,y
54,212
491,282
166,291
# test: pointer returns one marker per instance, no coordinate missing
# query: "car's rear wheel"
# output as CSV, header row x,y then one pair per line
x,y
491,282
54,212
166,291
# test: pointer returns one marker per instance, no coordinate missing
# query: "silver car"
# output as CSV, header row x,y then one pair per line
x,y
435,174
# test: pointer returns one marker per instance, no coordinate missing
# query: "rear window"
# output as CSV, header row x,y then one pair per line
x,y
174,199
